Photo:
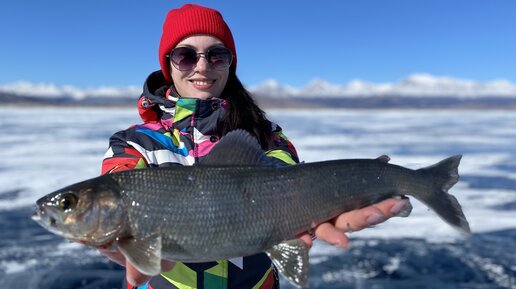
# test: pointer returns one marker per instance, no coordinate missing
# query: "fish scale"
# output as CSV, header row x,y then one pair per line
x,y
227,207
245,202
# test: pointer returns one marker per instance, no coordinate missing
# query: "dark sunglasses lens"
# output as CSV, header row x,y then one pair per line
x,y
183,58
220,58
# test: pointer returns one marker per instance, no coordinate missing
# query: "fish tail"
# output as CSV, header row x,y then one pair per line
x,y
445,174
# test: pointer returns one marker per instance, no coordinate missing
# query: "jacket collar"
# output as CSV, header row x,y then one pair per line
x,y
160,102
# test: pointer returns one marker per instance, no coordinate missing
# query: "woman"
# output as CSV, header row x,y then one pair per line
x,y
187,106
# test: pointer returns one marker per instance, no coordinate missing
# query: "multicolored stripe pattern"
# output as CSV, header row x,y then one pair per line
x,y
181,137
181,131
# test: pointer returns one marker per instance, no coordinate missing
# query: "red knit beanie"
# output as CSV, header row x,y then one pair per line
x,y
189,20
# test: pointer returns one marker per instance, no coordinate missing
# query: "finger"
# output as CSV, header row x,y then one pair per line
x,y
403,208
306,238
371,215
394,207
135,277
328,233
359,219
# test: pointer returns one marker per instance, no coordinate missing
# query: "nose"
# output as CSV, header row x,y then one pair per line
x,y
202,63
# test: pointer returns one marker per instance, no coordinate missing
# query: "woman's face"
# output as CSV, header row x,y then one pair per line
x,y
202,81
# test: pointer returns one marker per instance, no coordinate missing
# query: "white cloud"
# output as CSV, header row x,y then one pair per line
x,y
25,88
273,87
420,84
413,85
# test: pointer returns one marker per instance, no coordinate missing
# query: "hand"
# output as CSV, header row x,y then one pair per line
x,y
132,275
333,231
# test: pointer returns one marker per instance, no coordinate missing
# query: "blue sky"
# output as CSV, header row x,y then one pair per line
x,y
109,42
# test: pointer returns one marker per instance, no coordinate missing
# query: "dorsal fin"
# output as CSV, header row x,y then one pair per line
x,y
384,158
238,147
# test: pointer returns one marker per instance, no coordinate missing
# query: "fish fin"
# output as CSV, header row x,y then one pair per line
x,y
143,253
291,260
445,174
238,147
384,158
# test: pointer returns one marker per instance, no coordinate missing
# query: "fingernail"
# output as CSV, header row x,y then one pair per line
x,y
375,219
340,244
402,209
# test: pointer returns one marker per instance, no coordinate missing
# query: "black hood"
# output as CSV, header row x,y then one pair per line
x,y
155,88
153,97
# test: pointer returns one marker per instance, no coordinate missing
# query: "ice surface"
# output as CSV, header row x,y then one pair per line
x,y
44,149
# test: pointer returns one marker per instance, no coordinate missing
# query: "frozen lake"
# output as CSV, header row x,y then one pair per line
x,y
44,149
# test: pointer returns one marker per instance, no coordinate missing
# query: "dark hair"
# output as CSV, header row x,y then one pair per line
x,y
243,112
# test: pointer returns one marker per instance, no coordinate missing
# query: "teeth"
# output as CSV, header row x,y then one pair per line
x,y
201,82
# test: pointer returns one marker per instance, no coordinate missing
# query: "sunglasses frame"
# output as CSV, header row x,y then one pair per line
x,y
199,55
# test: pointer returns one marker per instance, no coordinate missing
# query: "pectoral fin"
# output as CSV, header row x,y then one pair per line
x,y
291,260
143,253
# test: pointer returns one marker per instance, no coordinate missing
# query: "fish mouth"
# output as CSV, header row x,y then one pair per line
x,y
38,214
42,218
36,217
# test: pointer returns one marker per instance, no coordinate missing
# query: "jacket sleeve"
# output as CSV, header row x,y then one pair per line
x,y
281,148
121,156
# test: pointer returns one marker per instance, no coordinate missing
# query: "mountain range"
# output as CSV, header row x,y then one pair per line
x,y
414,91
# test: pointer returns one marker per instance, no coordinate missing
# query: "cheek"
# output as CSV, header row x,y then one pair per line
x,y
88,221
176,75
179,80
223,80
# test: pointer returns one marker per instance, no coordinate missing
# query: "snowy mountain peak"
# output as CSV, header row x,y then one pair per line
x,y
273,88
49,90
415,85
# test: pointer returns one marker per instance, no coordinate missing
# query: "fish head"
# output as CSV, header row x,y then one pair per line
x,y
90,212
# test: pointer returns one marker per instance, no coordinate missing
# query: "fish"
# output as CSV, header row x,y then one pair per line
x,y
236,202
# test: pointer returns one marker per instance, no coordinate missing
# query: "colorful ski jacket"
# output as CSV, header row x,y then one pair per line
x,y
181,131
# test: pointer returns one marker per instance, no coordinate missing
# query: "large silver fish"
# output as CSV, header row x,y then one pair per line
x,y
235,203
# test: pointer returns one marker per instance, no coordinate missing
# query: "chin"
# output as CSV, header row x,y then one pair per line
x,y
203,94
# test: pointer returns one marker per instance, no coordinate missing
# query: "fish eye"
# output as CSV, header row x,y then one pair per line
x,y
68,201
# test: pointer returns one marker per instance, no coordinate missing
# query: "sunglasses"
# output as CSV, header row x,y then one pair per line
x,y
186,58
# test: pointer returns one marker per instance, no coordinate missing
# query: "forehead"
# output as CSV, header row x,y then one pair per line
x,y
200,41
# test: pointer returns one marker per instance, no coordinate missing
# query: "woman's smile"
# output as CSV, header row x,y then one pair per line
x,y
205,84
201,81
